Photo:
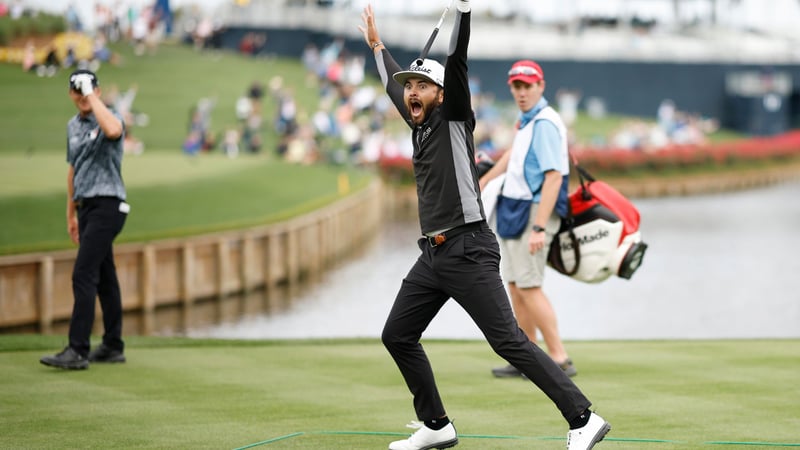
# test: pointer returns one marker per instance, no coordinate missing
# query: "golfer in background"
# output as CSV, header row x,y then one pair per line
x,y
459,256
96,213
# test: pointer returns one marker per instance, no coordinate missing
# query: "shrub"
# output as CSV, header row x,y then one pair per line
x,y
40,25
46,24
6,33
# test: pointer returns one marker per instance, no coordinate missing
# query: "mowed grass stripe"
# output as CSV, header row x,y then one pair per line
x,y
177,196
46,173
347,394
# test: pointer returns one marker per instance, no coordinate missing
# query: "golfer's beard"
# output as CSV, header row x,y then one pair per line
x,y
426,110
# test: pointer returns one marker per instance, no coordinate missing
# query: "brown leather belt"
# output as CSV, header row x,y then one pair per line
x,y
441,238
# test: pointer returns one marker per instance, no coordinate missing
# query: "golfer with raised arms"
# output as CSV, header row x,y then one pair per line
x,y
459,256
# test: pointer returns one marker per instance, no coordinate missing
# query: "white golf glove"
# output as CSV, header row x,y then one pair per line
x,y
83,82
462,5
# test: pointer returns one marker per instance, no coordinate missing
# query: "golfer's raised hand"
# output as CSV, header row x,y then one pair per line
x,y
369,30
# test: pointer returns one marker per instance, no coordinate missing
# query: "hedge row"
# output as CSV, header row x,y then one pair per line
x,y
41,25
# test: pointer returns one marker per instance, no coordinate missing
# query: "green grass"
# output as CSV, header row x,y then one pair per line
x,y
589,129
171,195
347,394
35,110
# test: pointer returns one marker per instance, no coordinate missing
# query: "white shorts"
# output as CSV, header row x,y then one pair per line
x,y
517,264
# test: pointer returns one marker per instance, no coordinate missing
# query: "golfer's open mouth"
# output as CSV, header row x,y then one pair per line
x,y
416,108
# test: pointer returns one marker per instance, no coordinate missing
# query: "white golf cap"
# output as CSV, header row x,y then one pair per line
x,y
422,68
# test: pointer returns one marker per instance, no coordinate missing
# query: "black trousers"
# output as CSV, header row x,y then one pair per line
x,y
466,268
94,274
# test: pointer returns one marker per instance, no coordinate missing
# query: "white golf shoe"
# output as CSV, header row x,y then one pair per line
x,y
426,439
585,437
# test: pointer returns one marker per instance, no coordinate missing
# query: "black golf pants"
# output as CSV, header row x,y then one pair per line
x,y
94,274
466,268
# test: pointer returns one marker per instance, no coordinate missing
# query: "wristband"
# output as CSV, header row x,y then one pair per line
x,y
538,229
375,45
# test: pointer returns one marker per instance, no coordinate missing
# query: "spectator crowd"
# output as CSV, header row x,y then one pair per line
x,y
352,121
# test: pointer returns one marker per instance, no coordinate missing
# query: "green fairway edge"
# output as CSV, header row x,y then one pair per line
x,y
511,437
344,393
28,342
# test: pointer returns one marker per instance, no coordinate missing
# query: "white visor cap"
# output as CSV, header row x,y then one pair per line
x,y
422,68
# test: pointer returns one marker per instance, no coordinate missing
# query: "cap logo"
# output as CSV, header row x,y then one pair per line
x,y
420,69
74,76
523,70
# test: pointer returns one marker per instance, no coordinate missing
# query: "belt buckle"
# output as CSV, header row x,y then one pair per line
x,y
437,240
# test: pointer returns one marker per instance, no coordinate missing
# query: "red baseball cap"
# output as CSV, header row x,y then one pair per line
x,y
526,71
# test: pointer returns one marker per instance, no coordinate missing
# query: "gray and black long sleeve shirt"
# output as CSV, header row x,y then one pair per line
x,y
444,151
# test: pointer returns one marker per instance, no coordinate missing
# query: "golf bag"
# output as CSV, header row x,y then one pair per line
x,y
600,236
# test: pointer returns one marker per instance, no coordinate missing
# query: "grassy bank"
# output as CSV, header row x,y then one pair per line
x,y
347,394
169,83
171,196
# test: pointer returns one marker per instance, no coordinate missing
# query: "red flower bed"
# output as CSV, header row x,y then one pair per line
x,y
620,161
775,148
396,168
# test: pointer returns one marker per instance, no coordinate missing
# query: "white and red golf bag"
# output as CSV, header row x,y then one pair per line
x,y
600,237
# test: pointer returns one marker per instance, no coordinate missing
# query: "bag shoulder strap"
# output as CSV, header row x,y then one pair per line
x,y
569,223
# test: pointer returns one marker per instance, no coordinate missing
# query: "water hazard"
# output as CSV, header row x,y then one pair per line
x,y
717,266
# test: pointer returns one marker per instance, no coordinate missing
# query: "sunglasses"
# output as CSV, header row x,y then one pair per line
x,y
523,70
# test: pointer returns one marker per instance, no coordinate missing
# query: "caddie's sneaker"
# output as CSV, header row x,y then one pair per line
x,y
508,371
425,439
568,368
67,359
585,437
106,354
